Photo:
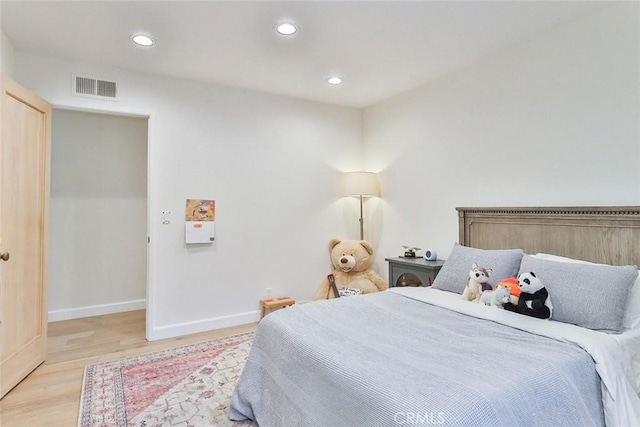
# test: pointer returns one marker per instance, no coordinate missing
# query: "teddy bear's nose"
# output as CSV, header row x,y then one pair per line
x,y
344,260
477,274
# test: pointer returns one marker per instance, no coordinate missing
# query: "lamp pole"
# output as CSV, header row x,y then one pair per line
x,y
361,184
361,220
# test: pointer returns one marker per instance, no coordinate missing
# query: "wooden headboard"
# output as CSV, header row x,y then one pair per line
x,y
609,235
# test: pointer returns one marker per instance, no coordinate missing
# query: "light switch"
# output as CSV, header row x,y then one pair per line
x,y
166,217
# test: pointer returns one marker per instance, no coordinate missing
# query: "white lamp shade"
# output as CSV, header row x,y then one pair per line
x,y
361,184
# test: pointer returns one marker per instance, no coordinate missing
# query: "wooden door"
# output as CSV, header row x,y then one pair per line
x,y
24,195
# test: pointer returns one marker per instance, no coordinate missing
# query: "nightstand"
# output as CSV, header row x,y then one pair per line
x,y
412,271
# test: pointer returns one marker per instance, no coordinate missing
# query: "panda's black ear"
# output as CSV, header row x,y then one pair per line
x,y
531,273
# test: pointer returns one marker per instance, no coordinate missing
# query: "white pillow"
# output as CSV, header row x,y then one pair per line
x,y
632,312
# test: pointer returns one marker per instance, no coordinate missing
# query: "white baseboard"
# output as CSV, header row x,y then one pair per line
x,y
186,328
96,310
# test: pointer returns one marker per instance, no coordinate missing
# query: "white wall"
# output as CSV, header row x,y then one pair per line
x,y
271,163
98,214
6,55
553,121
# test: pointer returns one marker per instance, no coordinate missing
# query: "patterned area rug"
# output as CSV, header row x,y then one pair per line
x,y
184,386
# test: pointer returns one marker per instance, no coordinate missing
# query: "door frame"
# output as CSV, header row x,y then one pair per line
x,y
151,125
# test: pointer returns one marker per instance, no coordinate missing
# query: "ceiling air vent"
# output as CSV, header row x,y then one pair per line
x,y
94,88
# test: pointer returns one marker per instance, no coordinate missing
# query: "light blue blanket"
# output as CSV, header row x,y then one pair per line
x,y
384,360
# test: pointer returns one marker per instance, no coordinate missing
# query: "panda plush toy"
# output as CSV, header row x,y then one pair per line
x,y
534,300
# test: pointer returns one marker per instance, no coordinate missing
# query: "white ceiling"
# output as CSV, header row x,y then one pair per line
x,y
381,48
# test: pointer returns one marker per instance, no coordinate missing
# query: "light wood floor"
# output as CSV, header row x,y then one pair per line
x,y
50,396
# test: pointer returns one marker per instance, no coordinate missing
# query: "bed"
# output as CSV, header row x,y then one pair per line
x,y
422,356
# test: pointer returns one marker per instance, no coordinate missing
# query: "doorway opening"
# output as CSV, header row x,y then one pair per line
x,y
98,233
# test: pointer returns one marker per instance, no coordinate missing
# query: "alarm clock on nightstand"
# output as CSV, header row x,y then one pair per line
x,y
430,254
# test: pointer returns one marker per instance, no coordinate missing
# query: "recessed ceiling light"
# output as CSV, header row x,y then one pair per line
x,y
334,80
286,29
142,40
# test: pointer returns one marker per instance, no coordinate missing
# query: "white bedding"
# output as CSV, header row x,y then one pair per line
x,y
613,355
629,340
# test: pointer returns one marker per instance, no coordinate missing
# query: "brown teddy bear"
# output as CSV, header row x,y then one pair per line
x,y
352,261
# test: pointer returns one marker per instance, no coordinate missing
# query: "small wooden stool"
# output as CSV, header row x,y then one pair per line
x,y
271,304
